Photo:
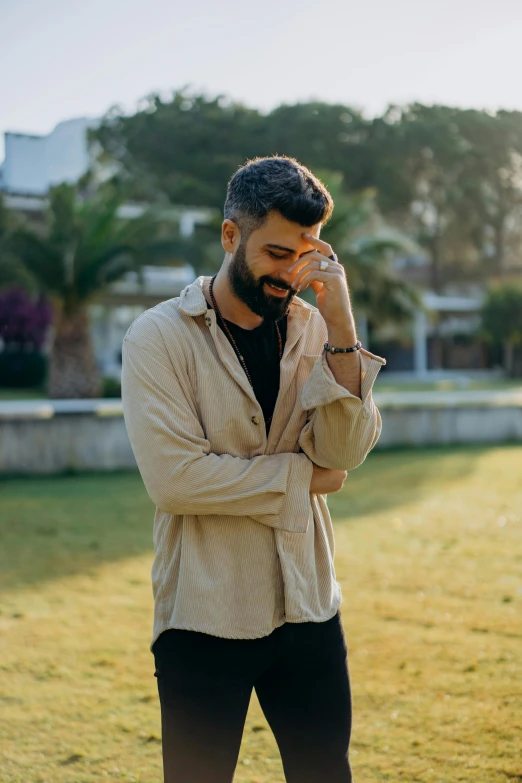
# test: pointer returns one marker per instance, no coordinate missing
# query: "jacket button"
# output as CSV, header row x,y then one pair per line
x,y
256,419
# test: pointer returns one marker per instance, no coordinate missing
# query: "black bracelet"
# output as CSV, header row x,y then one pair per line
x,y
357,347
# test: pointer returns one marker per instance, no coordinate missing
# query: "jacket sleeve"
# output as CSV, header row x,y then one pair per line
x,y
341,428
180,473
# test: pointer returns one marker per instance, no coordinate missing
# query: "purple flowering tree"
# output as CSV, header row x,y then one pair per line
x,y
24,322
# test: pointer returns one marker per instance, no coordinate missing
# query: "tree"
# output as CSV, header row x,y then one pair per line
x,y
367,253
23,320
502,320
416,156
491,202
452,178
12,272
203,249
186,148
85,247
24,323
322,136
183,150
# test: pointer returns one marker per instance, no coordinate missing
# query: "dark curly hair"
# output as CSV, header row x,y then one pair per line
x,y
280,184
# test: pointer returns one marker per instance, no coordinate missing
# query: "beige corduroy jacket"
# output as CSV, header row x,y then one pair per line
x,y
241,545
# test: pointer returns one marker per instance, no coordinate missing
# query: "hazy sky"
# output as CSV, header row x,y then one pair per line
x,y
62,59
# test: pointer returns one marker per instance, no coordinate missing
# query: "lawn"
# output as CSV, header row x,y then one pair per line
x,y
21,394
447,384
430,559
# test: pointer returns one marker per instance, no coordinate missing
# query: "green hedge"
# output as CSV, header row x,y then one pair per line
x,y
22,369
111,387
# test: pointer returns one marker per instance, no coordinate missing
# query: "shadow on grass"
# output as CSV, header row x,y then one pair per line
x,y
52,527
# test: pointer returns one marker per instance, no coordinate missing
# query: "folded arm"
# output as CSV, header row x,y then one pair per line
x,y
180,473
342,427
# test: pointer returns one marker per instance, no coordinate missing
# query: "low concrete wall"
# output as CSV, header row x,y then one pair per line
x,y
58,436
445,418
46,437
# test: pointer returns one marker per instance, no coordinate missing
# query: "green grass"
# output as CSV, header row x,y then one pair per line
x,y
22,394
430,559
447,384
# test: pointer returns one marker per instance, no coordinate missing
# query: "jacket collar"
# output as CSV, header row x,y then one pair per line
x,y
192,302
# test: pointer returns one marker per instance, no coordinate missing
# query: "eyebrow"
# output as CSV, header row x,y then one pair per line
x,y
286,249
281,247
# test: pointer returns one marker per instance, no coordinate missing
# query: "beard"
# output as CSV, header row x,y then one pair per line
x,y
251,290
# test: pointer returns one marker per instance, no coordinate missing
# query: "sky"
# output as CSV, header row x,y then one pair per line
x,y
71,58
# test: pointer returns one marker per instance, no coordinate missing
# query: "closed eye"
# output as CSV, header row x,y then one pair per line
x,y
274,255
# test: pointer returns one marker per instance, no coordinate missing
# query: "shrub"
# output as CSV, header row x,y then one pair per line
x,y
111,387
23,329
22,369
23,321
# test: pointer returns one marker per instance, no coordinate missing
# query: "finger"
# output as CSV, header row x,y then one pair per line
x,y
304,259
303,281
310,266
322,247
335,270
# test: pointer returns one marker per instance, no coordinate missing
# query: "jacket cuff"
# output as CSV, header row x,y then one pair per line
x,y
321,387
296,509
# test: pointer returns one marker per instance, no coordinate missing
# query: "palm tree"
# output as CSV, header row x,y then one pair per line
x,y
12,273
85,246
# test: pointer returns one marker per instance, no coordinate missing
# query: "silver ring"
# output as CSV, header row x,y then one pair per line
x,y
333,257
323,266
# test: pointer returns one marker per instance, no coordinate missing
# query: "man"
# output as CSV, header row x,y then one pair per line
x,y
242,421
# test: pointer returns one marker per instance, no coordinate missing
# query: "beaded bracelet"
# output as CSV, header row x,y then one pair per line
x,y
357,347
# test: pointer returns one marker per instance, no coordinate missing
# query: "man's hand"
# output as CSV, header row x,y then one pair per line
x,y
325,481
330,287
333,302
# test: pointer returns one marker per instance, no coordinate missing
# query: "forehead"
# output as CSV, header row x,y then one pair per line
x,y
277,230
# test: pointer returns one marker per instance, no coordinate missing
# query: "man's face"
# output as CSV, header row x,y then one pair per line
x,y
263,260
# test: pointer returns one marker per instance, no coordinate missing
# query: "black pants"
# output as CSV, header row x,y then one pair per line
x,y
301,679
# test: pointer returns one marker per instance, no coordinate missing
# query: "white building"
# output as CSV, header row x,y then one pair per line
x,y
33,163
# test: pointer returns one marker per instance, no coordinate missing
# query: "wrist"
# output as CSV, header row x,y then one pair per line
x,y
342,337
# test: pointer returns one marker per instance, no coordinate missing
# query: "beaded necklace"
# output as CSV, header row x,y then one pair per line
x,y
234,344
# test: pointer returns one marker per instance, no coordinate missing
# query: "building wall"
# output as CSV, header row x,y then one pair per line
x,y
34,163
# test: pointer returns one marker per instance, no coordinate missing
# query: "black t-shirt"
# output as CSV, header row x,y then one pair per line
x,y
260,350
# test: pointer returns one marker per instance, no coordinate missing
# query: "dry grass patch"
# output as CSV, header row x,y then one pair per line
x,y
429,555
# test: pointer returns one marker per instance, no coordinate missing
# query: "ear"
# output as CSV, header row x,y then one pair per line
x,y
230,236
